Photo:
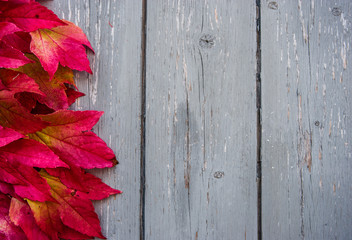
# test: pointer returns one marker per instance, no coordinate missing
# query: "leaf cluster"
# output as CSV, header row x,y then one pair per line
x,y
45,148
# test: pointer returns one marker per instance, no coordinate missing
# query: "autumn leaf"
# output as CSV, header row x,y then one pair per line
x,y
72,95
47,217
30,153
28,17
7,188
18,40
26,181
87,185
18,82
54,90
11,57
7,28
17,117
68,136
8,135
21,215
76,213
8,230
60,45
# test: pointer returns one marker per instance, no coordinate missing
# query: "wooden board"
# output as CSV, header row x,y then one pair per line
x,y
200,120
306,119
114,29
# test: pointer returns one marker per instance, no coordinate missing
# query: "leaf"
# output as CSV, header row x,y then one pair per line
x,y
26,181
10,57
31,153
54,46
47,217
54,91
72,31
77,213
8,135
27,100
18,82
29,17
7,28
6,188
97,190
18,40
21,215
87,185
15,116
68,137
72,95
8,230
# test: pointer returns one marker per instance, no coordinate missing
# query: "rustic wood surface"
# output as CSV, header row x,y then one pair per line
x,y
306,119
200,120
188,167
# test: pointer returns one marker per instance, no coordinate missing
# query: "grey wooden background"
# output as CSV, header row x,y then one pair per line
x,y
230,119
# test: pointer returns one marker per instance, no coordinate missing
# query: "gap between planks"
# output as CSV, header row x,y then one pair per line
x,y
142,119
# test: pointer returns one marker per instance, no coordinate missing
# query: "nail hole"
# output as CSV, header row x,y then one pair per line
x,y
317,123
219,174
273,5
336,11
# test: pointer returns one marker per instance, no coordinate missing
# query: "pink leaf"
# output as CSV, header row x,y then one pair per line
x,y
29,17
10,57
31,153
7,135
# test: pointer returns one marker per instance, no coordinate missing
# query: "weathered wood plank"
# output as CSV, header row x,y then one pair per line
x,y
114,29
201,120
307,119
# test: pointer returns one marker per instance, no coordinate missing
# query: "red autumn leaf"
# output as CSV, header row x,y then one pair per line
x,y
10,57
76,213
8,135
55,96
30,153
8,230
29,17
6,188
26,181
21,1
72,95
68,137
17,117
47,217
21,215
74,32
54,46
18,40
7,28
87,185
97,190
18,82
12,113
27,100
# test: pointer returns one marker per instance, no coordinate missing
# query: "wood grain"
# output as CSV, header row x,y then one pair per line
x,y
114,29
201,120
306,119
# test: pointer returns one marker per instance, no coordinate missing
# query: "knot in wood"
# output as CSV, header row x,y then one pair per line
x,y
207,41
336,11
219,174
273,5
